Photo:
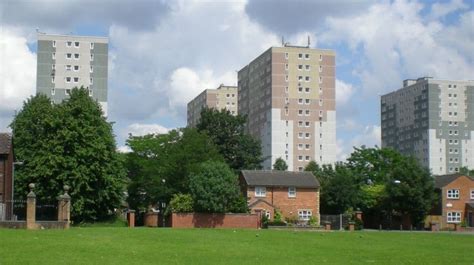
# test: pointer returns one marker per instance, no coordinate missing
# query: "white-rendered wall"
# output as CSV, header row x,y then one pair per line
x,y
437,150
104,107
279,141
468,157
266,137
328,140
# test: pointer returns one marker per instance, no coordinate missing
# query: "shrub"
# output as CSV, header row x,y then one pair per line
x,y
313,221
181,203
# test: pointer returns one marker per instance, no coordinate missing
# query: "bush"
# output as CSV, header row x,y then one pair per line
x,y
181,203
313,221
277,216
265,221
291,219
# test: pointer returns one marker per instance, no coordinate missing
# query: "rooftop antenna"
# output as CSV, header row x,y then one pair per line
x,y
309,41
282,41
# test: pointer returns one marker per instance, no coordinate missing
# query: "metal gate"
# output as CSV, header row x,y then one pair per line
x,y
337,221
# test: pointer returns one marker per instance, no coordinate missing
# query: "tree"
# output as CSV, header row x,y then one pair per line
x,y
240,150
159,165
466,171
71,143
280,164
215,189
181,203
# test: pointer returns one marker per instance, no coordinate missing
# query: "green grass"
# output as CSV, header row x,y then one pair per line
x,y
99,245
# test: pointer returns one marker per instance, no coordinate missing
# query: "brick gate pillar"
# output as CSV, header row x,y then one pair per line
x,y
31,208
64,207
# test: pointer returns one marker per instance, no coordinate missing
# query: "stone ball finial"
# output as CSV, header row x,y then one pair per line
x,y
66,188
31,186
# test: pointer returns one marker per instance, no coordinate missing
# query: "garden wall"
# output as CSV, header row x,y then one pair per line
x,y
205,220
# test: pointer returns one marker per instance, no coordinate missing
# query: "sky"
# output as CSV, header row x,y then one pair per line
x,y
164,53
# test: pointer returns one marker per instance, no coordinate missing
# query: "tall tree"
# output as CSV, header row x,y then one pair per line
x,y
280,164
73,144
159,165
240,150
214,189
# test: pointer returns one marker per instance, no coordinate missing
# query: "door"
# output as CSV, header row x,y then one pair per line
x,y
470,219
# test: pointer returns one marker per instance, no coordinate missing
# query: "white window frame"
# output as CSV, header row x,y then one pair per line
x,y
260,191
68,43
52,80
453,217
304,214
53,91
68,67
54,43
91,81
452,194
291,192
472,194
78,44
92,57
78,68
78,56
53,56
76,79
67,79
92,46
69,56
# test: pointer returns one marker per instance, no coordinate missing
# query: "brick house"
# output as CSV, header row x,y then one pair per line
x,y
6,174
456,193
294,194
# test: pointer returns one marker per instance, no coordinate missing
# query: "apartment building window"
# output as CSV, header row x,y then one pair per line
x,y
68,80
291,192
91,69
300,56
307,135
76,44
320,57
320,90
76,68
300,101
300,158
307,78
300,123
453,194
300,135
300,146
90,92
300,89
53,56
308,67
300,169
300,78
52,79
320,113
91,81
300,112
260,191
307,113
320,80
286,66
76,56
300,67
307,101
454,217
76,79
54,43
69,43
307,158
53,67
304,215
307,124
67,91
307,146
53,91
320,102
307,89
92,57
306,56
287,112
286,78
92,45
68,55
320,69
68,67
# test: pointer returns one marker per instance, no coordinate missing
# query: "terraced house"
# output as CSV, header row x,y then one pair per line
x,y
433,120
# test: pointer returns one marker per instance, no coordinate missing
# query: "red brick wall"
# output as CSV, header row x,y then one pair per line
x,y
306,199
465,185
203,220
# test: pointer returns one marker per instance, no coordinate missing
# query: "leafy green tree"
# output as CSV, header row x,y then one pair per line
x,y
181,203
71,143
280,164
240,150
215,189
466,171
159,165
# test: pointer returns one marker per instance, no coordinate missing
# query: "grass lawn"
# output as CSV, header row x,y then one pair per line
x,y
101,245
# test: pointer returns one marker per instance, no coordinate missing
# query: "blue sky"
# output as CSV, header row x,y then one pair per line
x,y
163,53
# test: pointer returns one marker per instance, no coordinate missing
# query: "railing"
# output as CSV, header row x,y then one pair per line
x,y
13,210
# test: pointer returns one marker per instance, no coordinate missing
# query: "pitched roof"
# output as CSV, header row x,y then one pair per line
x,y
470,204
5,143
277,178
441,181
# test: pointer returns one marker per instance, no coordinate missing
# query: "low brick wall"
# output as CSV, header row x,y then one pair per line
x,y
151,219
204,220
13,224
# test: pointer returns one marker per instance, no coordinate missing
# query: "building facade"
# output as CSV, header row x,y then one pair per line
x,y
288,95
6,176
295,195
432,120
67,61
223,97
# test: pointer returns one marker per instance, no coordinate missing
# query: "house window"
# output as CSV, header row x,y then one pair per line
x,y
454,217
453,194
304,215
291,192
76,44
260,191
472,194
268,214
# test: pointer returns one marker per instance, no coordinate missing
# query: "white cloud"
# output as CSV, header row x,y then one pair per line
x,y
369,136
396,42
344,92
439,10
137,129
124,149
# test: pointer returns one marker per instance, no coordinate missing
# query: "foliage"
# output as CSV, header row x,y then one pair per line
x,y
466,171
214,188
280,164
159,165
181,203
313,221
69,143
265,221
240,150
291,220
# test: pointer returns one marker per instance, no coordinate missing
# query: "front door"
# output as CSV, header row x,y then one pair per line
x,y
470,219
